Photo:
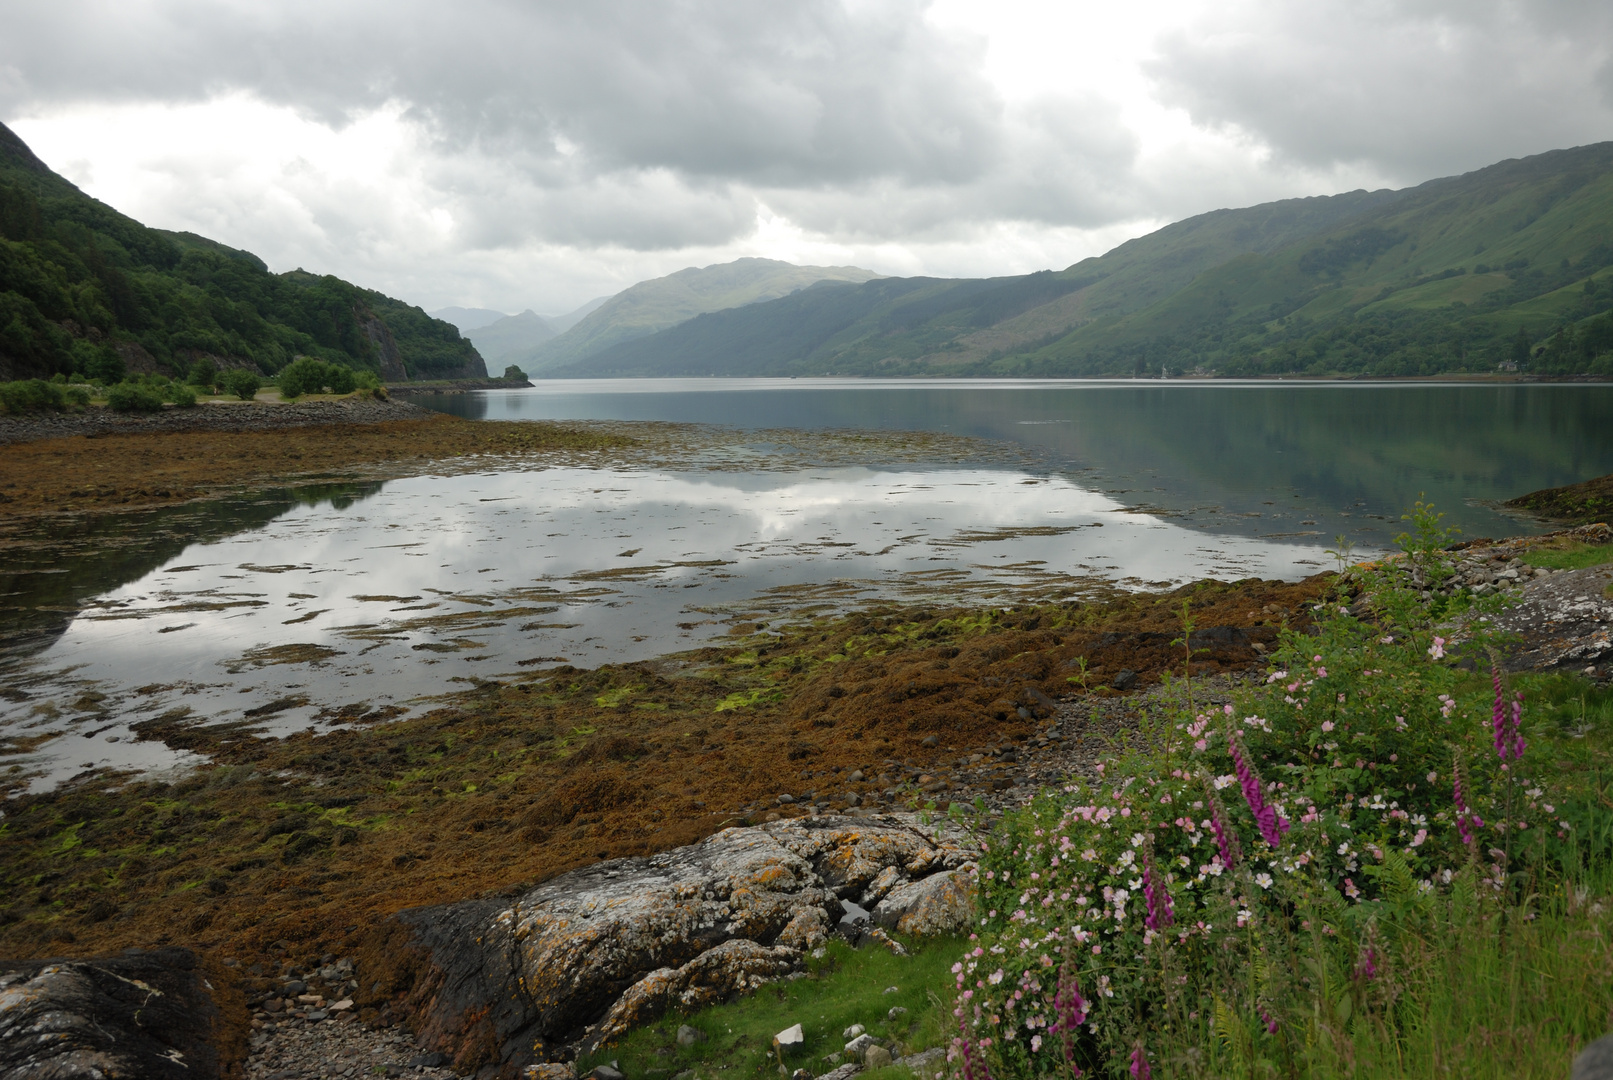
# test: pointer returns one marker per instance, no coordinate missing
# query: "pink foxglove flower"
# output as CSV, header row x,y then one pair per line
x,y
1518,745
1225,839
1139,1063
1271,826
1160,914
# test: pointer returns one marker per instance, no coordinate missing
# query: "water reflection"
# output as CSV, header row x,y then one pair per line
x,y
320,615
1249,458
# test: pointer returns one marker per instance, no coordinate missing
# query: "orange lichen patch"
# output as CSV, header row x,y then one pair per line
x,y
314,838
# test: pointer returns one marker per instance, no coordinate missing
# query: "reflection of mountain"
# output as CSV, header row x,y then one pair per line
x,y
1183,445
53,571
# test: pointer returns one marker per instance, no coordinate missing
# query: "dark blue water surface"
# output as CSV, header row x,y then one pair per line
x,y
1259,458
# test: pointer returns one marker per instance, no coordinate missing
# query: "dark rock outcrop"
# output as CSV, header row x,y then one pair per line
x,y
386,349
581,959
155,1015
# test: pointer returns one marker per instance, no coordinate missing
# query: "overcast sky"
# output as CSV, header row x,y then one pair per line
x,y
512,154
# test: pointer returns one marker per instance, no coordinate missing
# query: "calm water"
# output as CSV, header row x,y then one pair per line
x,y
306,608
1253,458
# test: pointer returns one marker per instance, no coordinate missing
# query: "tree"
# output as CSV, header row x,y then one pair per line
x,y
243,384
1520,348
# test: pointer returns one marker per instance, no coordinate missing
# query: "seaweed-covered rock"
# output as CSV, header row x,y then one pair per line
x,y
583,957
154,1015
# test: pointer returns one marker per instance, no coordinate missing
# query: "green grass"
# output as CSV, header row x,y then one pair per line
x,y
843,987
1572,558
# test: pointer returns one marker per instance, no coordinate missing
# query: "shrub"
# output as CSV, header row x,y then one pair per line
x,y
339,377
182,395
30,396
203,373
307,375
131,397
99,362
1232,893
243,384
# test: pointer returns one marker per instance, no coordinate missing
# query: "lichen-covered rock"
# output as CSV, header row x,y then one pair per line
x,y
143,1014
807,930
517,981
939,904
734,967
886,880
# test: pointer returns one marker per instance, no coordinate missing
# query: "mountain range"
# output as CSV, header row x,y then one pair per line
x,y
537,344
1505,266
86,289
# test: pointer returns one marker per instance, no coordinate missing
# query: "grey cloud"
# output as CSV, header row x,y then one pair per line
x,y
805,92
1413,89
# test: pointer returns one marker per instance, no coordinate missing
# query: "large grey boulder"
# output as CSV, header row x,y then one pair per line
x,y
151,1015
582,958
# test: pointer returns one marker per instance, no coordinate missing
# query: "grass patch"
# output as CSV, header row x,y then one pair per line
x,y
1575,557
843,987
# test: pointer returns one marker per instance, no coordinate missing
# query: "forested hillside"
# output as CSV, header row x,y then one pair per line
x,y
1511,265
86,289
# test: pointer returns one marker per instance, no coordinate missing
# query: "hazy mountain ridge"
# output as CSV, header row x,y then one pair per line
x,y
1444,276
665,302
510,338
85,288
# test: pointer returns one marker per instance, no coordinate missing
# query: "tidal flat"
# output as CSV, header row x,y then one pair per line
x,y
453,554
306,816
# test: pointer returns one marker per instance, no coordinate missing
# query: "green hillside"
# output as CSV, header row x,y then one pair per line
x,y
1511,264
85,289
655,305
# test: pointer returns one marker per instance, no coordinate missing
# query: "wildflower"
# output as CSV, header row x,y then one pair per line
x,y
1366,969
1271,826
970,1067
1518,745
1437,649
1263,880
1160,914
1139,1063
1498,715
1225,839
1350,890
1270,1022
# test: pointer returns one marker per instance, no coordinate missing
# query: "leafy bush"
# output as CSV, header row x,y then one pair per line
x,y
182,395
30,396
1228,897
339,378
99,362
128,397
243,384
307,375
203,373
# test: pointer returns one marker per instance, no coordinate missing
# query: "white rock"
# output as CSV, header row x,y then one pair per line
x,y
853,1031
790,1036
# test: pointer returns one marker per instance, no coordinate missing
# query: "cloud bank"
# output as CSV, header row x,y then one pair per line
x,y
515,154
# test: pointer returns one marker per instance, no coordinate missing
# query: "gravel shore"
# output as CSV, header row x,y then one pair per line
x,y
213,416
